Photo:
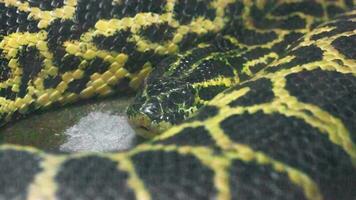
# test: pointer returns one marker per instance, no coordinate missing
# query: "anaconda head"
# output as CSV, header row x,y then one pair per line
x,y
161,103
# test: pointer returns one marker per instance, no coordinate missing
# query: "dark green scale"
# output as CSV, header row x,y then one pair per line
x,y
294,142
198,136
341,26
255,181
102,180
15,164
13,20
345,46
260,91
333,92
170,175
302,55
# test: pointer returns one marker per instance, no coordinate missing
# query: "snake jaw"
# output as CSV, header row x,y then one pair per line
x,y
145,127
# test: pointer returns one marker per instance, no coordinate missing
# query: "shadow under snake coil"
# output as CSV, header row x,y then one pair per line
x,y
285,128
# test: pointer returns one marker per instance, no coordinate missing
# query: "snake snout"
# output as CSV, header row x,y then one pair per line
x,y
145,118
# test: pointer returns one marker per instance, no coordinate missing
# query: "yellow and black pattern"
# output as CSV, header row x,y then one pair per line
x,y
56,53
287,131
184,82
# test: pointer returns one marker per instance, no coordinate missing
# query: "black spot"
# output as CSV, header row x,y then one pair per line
x,y
18,169
306,7
349,3
129,8
249,36
296,143
78,85
5,71
331,91
346,45
162,67
210,69
291,22
88,12
260,92
7,93
31,62
303,55
206,112
169,175
117,42
51,82
92,178
158,32
289,40
238,63
192,39
255,53
333,10
345,17
208,93
97,65
137,59
13,20
60,31
68,63
188,59
224,44
256,181
186,11
341,26
123,85
197,136
45,5
234,10
258,67
307,54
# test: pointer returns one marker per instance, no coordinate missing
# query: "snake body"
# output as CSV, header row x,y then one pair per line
x,y
273,83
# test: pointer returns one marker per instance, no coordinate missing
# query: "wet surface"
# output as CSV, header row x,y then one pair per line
x,y
97,125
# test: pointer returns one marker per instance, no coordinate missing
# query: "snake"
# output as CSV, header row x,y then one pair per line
x,y
240,99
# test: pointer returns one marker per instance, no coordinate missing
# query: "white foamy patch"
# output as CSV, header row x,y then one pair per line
x,y
99,132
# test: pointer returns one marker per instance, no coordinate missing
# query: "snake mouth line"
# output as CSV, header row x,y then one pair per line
x,y
143,126
147,128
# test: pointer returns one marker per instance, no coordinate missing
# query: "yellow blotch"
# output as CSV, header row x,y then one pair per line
x,y
55,95
52,71
98,83
77,74
62,86
121,58
70,98
104,90
43,99
89,54
107,75
87,92
121,73
113,80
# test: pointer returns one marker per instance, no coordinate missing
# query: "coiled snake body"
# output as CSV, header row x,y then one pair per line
x,y
273,82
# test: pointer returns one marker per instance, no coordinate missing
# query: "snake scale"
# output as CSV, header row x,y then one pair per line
x,y
261,95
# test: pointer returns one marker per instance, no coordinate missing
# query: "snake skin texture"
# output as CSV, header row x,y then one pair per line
x,y
272,112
